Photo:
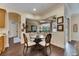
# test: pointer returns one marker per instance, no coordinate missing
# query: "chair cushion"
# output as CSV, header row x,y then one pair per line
x,y
31,43
28,37
42,43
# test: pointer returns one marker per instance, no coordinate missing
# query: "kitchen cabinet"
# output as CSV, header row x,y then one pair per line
x,y
1,44
2,18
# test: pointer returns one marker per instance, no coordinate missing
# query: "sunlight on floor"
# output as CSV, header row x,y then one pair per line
x,y
70,50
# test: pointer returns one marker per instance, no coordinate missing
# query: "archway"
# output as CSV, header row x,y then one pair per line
x,y
14,28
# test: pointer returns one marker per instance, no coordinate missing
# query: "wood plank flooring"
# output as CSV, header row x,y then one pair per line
x,y
17,50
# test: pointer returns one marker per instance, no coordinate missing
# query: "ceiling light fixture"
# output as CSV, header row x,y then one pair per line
x,y
34,9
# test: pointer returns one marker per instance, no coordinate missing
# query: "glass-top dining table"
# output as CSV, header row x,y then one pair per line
x,y
37,39
38,47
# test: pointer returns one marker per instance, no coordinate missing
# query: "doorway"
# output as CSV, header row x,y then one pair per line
x,y
14,29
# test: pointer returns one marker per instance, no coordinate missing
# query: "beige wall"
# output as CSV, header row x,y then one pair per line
x,y
57,11
58,37
75,20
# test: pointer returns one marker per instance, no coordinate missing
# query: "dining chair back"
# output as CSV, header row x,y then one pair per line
x,y
48,43
48,38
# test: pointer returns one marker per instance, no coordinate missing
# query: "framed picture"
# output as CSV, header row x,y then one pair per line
x,y
60,20
60,27
75,28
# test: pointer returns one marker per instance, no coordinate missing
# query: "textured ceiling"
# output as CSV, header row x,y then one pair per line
x,y
42,8
74,8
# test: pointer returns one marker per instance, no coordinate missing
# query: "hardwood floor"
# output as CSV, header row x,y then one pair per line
x,y
17,50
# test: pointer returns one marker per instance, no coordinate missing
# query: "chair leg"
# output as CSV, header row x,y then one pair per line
x,y
50,48
25,49
45,51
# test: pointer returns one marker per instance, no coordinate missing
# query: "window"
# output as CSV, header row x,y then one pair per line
x,y
33,28
45,27
54,27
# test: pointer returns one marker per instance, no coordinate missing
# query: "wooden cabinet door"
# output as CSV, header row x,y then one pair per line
x,y
2,18
1,44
